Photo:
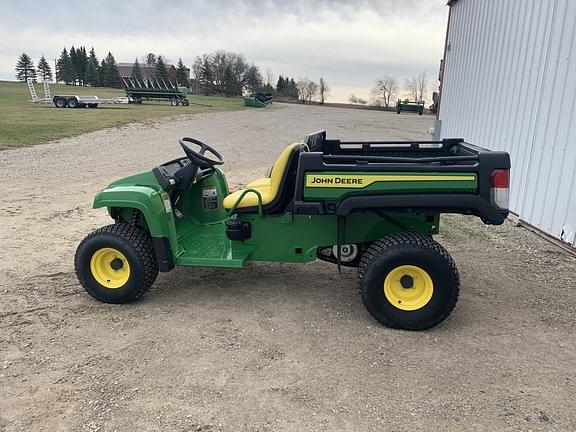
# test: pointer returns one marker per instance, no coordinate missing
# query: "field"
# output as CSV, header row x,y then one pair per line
x,y
270,347
24,123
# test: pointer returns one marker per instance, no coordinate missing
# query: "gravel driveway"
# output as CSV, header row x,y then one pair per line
x,y
270,347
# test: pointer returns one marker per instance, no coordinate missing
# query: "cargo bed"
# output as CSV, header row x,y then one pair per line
x,y
449,176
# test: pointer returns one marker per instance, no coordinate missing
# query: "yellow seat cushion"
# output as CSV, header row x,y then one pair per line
x,y
250,199
260,182
268,187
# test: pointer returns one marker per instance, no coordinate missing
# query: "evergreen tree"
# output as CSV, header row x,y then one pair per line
x,y
280,86
82,65
252,79
231,86
44,69
160,70
136,71
91,77
64,68
206,76
292,89
74,61
108,72
25,68
182,74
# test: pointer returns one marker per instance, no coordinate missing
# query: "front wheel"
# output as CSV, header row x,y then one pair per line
x,y
408,281
116,263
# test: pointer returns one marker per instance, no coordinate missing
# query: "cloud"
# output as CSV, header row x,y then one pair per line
x,y
349,43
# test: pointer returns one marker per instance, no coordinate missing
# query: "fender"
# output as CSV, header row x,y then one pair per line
x,y
157,211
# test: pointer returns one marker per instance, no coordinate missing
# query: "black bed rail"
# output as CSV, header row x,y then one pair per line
x,y
359,160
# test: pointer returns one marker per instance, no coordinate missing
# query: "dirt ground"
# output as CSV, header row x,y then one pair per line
x,y
269,347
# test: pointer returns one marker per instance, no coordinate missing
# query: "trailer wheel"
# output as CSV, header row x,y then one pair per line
x,y
116,263
174,102
60,102
92,105
408,281
72,103
185,102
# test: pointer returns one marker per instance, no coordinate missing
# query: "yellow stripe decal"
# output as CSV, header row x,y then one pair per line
x,y
355,181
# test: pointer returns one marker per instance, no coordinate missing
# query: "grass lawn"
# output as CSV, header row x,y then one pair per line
x,y
25,123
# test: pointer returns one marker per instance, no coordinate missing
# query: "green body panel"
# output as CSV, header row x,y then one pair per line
x,y
335,185
295,238
141,192
198,237
203,202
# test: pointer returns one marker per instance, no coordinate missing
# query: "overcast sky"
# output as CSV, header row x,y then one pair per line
x,y
349,43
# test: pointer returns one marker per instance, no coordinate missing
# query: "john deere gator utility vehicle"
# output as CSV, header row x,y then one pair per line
x,y
371,205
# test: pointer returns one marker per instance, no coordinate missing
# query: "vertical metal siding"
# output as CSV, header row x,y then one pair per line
x,y
510,84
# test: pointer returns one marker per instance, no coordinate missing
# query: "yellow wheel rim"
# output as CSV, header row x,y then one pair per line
x,y
408,287
110,268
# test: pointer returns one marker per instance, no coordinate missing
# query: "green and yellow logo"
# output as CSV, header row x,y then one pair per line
x,y
359,181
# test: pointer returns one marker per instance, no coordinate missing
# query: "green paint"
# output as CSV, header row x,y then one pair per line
x,y
380,187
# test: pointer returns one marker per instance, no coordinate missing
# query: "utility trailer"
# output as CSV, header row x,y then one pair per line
x,y
75,101
70,101
152,89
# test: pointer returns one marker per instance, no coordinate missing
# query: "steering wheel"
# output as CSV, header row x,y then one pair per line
x,y
198,157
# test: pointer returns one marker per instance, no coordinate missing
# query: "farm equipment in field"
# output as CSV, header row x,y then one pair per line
x,y
70,101
406,105
153,89
374,205
258,100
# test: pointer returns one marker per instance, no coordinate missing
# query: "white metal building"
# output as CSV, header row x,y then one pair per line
x,y
509,83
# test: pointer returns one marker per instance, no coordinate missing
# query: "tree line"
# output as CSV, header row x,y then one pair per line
x,y
76,66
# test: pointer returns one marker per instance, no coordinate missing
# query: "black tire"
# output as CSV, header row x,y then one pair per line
x,y
60,102
135,245
395,252
72,103
92,105
174,102
185,102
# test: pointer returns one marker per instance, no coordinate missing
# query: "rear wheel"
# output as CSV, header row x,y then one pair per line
x,y
408,281
93,105
60,102
174,102
116,263
72,103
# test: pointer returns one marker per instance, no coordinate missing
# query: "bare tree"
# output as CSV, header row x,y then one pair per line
x,y
311,90
416,87
301,86
357,100
307,89
150,59
323,90
385,89
269,76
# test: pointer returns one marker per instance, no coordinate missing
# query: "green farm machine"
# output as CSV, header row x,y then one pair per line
x,y
374,205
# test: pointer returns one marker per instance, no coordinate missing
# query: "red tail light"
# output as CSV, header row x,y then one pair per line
x,y
500,187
